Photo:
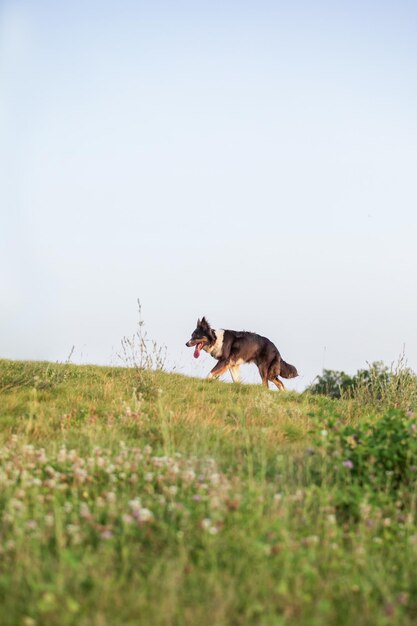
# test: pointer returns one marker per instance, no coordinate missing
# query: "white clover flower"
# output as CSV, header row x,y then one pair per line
x,y
188,475
145,515
215,479
135,504
208,526
85,510
313,539
215,502
62,455
49,520
16,504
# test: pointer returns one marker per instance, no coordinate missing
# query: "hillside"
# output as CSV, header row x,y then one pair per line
x,y
134,497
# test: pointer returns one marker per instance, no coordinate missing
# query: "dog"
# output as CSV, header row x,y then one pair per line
x,y
232,348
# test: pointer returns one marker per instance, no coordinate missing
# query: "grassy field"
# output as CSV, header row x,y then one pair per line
x,y
131,497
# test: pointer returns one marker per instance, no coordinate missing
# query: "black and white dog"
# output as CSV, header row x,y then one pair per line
x,y
232,348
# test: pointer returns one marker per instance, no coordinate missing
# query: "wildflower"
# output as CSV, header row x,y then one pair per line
x,y
402,598
215,502
352,441
324,433
135,504
188,475
85,512
31,524
145,515
215,479
16,504
348,464
106,534
49,520
207,525
312,540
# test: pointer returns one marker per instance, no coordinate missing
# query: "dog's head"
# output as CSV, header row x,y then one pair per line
x,y
202,336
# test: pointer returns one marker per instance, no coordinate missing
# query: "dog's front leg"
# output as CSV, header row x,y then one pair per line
x,y
234,370
218,370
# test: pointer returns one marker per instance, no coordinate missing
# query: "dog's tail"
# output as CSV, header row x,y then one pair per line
x,y
287,370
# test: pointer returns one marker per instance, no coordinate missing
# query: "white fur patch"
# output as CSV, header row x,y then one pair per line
x,y
216,349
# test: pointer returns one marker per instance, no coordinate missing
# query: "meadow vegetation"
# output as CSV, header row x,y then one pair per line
x,y
130,496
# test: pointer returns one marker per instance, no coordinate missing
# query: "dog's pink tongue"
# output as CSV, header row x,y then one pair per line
x,y
197,351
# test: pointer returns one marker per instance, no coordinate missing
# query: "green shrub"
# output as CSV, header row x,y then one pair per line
x,y
394,387
381,455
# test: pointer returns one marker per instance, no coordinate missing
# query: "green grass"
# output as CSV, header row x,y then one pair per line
x,y
130,498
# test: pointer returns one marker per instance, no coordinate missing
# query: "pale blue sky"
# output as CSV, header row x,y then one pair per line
x,y
254,162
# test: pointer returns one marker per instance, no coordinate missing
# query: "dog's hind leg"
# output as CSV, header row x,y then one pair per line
x,y
234,370
278,383
263,370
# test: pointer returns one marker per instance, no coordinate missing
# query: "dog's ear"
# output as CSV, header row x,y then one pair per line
x,y
198,323
204,323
